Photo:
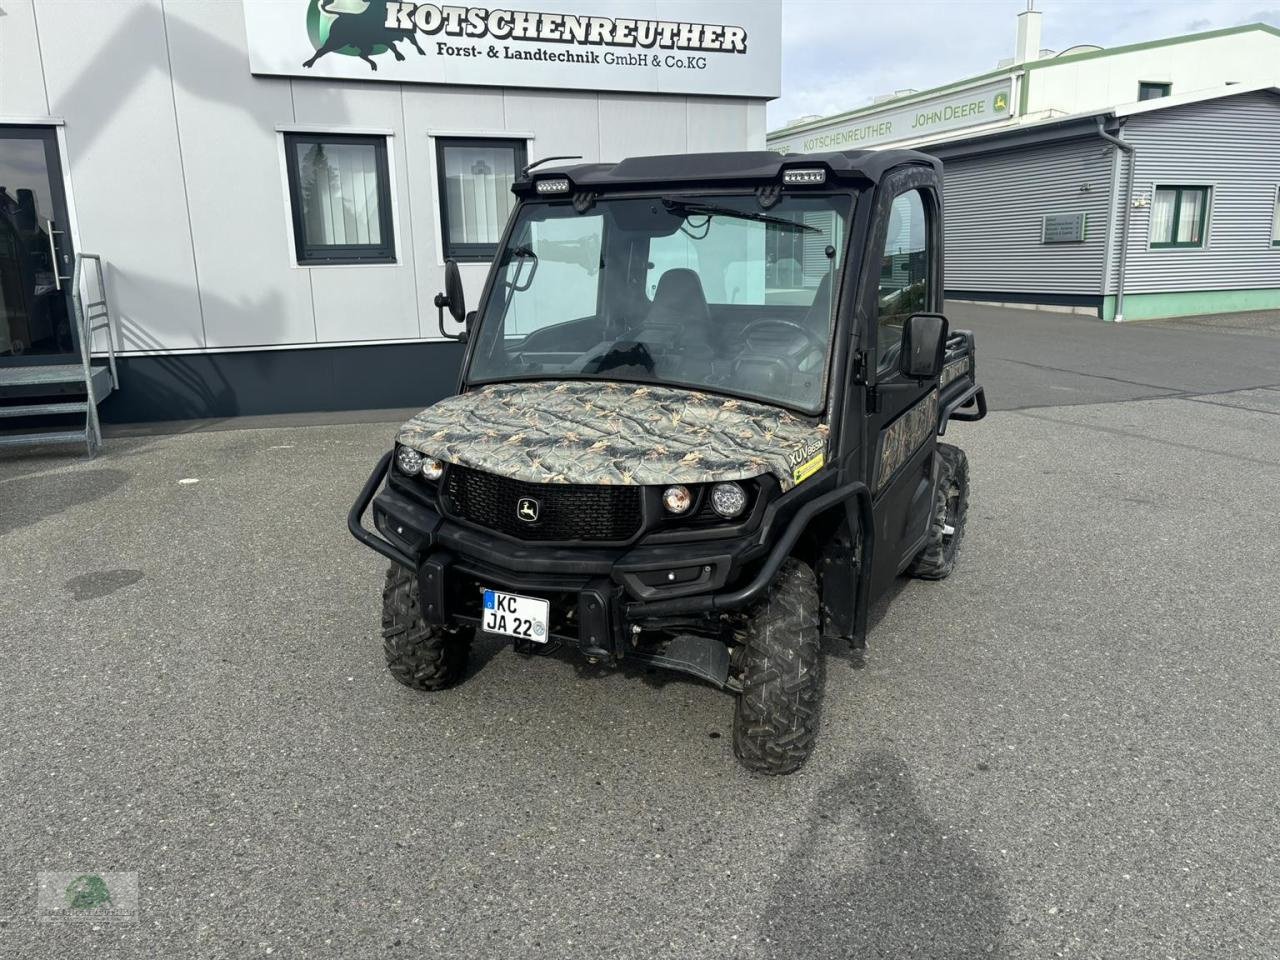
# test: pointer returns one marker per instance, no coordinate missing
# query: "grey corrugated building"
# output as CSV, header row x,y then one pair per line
x,y
1166,207
1132,182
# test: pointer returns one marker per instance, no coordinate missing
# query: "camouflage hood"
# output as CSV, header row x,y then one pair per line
x,y
605,432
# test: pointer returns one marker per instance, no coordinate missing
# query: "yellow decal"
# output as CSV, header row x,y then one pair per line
x,y
808,468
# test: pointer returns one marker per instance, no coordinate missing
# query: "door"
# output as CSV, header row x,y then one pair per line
x,y
907,236
35,250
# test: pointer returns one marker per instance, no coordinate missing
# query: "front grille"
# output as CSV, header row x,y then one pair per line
x,y
566,511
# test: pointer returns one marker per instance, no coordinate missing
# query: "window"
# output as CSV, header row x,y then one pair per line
x,y
341,198
568,273
475,193
680,291
745,264
1179,216
1153,91
1275,220
904,273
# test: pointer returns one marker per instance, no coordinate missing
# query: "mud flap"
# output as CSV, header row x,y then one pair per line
x,y
702,657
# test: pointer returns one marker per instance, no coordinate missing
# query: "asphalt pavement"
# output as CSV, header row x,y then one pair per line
x,y
1067,749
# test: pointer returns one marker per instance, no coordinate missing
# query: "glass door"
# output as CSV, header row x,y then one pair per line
x,y
35,250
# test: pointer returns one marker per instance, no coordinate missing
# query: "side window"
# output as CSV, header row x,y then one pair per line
x,y
567,274
904,274
475,193
1275,220
1179,216
341,198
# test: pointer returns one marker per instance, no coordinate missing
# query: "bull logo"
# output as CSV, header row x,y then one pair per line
x,y
527,509
354,29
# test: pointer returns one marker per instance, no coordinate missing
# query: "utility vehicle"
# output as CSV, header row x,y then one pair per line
x,y
696,427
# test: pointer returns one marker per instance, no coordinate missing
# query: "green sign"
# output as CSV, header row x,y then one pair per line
x,y
956,110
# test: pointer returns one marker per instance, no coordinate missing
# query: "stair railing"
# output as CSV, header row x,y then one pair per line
x,y
90,317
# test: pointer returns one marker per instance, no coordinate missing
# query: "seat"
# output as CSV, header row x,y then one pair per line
x,y
817,318
679,313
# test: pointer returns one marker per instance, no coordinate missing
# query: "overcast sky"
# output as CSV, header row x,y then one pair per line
x,y
838,54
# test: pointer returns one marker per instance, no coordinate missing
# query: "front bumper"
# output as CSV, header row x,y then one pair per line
x,y
601,598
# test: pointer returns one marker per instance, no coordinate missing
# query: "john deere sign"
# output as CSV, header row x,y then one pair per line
x,y
892,123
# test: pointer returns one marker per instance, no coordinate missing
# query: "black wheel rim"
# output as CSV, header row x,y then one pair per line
x,y
950,518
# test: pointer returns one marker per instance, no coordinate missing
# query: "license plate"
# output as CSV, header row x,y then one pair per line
x,y
514,616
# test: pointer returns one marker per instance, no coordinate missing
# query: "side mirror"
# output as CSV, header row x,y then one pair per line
x,y
924,344
453,297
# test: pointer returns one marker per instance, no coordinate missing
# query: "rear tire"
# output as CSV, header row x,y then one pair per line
x,y
775,721
419,654
937,558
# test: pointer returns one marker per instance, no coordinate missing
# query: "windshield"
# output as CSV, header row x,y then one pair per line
x,y
707,292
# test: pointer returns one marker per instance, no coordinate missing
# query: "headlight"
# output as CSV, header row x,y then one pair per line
x,y
728,499
409,460
676,499
432,468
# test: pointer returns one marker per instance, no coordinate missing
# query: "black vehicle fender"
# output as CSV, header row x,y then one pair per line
x,y
817,518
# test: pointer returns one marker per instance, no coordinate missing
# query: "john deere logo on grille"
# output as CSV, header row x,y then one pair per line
x,y
527,509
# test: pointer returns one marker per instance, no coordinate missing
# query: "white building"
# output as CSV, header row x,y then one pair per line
x,y
274,185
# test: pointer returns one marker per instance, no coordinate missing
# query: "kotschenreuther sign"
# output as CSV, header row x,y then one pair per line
x,y
726,47
923,118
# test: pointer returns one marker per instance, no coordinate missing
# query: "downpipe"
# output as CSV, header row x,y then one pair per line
x,y
1128,148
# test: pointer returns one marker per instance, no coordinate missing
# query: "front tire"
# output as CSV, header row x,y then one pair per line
x,y
775,721
937,558
419,654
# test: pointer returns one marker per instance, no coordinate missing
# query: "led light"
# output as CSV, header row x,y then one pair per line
x,y
728,499
409,460
805,175
554,185
432,468
677,499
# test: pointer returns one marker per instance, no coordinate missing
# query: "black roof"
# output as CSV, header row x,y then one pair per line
x,y
721,169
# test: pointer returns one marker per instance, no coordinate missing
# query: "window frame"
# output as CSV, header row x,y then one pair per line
x,y
1178,190
1165,88
307,254
472,252
1275,218
886,360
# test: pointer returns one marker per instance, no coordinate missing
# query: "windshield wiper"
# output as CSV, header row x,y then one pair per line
x,y
699,208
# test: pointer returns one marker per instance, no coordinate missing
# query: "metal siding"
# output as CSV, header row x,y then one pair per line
x,y
1232,145
107,70
996,206
22,92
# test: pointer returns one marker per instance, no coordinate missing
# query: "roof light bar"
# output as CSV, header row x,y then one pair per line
x,y
553,185
805,175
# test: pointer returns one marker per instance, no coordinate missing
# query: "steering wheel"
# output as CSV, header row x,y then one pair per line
x,y
755,326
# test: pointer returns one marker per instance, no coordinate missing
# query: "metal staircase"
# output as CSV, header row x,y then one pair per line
x,y
97,379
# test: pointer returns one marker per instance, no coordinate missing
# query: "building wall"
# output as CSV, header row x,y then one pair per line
x,y
176,168
995,209
1232,145
1079,83
1196,64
